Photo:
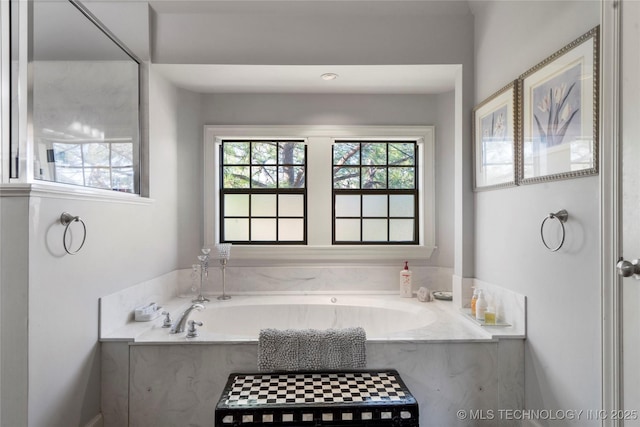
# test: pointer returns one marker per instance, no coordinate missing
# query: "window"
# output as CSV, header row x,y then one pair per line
x,y
263,192
375,196
283,192
107,165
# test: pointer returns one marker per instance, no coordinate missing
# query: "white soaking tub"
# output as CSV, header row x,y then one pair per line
x,y
383,317
245,316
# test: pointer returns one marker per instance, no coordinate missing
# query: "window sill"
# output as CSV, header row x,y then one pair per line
x,y
65,191
331,253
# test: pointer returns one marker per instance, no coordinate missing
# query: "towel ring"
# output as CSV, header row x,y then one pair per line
x,y
66,219
562,216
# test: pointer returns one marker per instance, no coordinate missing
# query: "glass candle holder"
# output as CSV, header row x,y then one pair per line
x,y
224,253
204,274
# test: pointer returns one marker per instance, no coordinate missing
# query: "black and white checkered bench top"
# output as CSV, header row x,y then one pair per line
x,y
317,398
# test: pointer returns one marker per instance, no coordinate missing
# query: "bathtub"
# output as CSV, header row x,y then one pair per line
x,y
154,378
383,317
243,317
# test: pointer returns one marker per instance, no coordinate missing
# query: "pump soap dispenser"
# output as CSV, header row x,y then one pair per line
x,y
481,306
406,290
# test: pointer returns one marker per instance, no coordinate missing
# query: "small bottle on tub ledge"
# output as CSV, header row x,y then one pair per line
x,y
406,289
490,316
474,300
481,306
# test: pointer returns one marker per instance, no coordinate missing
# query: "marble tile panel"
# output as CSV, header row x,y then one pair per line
x,y
510,378
115,383
444,378
328,279
174,385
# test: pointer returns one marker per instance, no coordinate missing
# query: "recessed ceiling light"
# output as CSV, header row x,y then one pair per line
x,y
329,76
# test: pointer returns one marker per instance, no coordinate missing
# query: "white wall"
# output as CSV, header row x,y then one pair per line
x,y
125,244
189,170
14,309
313,109
562,361
445,161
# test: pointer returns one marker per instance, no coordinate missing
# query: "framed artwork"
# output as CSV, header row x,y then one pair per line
x,y
559,136
495,123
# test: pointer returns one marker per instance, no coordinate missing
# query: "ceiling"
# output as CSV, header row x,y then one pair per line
x,y
352,79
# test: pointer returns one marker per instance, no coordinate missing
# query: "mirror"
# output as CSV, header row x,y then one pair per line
x,y
85,110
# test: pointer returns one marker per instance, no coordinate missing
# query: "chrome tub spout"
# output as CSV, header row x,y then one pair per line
x,y
181,323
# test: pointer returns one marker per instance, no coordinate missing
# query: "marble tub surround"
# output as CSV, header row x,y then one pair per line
x,y
436,321
117,323
153,378
117,309
343,278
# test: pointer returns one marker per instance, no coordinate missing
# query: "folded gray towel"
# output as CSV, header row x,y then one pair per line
x,y
311,349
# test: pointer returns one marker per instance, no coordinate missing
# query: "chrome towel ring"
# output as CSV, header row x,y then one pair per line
x,y
66,219
562,216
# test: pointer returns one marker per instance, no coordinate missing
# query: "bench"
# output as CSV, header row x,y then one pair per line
x,y
362,398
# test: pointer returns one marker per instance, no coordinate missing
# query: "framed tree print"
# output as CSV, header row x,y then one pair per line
x,y
495,123
559,137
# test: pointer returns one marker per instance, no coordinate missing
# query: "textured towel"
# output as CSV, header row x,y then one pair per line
x,y
311,349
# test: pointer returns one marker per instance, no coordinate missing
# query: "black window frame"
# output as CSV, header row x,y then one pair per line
x,y
252,190
382,191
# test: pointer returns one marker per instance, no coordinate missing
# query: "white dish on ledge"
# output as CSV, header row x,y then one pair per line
x,y
443,295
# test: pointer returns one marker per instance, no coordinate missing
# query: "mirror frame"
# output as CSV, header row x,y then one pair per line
x,y
5,88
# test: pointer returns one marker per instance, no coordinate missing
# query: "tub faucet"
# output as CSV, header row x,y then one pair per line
x,y
181,322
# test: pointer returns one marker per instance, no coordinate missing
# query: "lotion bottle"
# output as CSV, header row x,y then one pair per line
x,y
474,300
406,290
481,306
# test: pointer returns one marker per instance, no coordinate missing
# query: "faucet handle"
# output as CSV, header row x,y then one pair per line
x,y
192,331
167,319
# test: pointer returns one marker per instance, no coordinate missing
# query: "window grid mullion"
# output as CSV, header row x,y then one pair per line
x,y
388,217
361,217
388,196
250,216
386,166
111,164
277,217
